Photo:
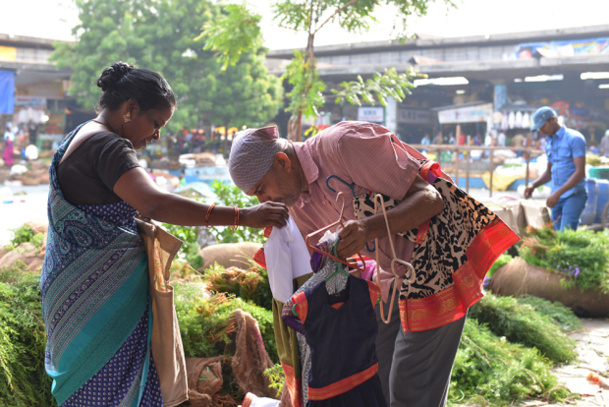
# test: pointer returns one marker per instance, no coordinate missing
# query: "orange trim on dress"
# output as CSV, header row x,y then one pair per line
x,y
301,306
259,257
247,400
294,385
343,385
452,303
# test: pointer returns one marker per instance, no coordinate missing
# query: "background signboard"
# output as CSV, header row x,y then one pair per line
x,y
466,114
371,114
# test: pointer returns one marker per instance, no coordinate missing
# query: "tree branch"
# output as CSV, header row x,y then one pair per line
x,y
334,14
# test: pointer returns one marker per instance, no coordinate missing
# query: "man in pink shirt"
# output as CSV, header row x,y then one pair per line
x,y
361,159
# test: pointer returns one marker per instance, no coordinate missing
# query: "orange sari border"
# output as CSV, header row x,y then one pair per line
x,y
294,385
343,385
375,292
452,303
490,243
422,232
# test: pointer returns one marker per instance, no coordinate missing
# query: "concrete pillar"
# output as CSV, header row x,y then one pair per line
x,y
391,115
500,96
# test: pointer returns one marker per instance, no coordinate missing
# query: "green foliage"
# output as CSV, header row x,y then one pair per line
x,y
231,195
165,36
489,370
23,380
234,32
311,16
206,322
250,285
500,262
562,315
520,323
228,195
25,234
388,84
189,252
277,378
582,255
352,16
306,96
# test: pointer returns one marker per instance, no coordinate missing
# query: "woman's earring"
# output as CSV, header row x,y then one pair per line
x,y
127,117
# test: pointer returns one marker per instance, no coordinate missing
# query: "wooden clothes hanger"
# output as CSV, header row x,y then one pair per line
x,y
377,198
338,222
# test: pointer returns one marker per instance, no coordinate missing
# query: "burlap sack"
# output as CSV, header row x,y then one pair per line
x,y
518,278
204,380
251,360
26,254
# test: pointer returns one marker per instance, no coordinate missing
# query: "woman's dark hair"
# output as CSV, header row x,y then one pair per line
x,y
121,82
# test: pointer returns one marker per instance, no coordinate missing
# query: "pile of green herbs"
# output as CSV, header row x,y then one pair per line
x,y
508,349
208,328
582,256
23,380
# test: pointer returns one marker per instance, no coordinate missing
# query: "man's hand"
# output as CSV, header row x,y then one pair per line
x,y
528,191
552,200
353,238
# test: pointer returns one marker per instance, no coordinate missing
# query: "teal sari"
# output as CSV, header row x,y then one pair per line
x,y
95,304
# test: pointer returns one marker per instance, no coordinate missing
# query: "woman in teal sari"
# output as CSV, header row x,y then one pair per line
x,y
95,290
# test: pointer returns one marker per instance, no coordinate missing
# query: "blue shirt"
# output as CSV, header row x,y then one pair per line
x,y
561,149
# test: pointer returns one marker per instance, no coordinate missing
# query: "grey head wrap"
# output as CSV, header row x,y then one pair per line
x,y
252,155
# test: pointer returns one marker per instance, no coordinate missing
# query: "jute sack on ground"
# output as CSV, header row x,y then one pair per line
x,y
229,254
250,359
204,380
25,253
519,278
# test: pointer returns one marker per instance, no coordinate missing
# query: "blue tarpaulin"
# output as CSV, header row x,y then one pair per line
x,y
7,92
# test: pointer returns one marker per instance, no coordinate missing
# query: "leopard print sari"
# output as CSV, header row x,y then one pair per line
x,y
452,253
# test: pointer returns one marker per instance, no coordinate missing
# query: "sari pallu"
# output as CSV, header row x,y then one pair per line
x,y
95,304
452,253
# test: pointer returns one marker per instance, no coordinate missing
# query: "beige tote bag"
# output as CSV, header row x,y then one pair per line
x,y
166,342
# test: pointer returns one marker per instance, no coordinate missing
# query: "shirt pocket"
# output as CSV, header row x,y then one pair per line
x,y
562,154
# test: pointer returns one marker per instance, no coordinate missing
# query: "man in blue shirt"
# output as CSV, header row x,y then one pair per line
x,y
566,152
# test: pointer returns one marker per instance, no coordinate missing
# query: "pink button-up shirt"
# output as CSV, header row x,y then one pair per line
x,y
367,155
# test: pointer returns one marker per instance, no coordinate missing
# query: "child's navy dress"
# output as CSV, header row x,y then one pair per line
x,y
342,337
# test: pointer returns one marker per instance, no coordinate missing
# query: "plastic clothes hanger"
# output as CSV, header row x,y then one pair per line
x,y
339,268
377,198
350,186
338,222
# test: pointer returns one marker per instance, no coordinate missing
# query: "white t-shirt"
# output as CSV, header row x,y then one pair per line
x,y
287,258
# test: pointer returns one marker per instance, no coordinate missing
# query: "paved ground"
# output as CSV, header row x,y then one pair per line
x,y
25,203
593,349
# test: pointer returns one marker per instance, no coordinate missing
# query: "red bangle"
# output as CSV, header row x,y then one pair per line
x,y
236,225
211,207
